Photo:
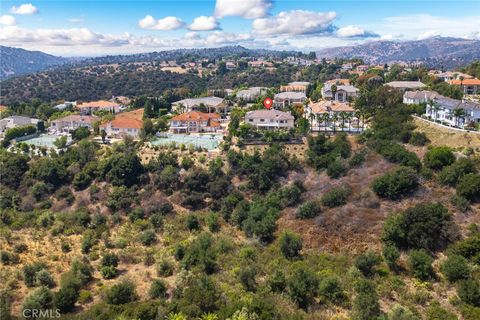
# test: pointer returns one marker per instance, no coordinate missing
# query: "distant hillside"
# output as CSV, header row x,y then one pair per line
x,y
17,61
437,51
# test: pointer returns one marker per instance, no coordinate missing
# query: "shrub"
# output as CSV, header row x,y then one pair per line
x,y
460,203
418,139
121,293
365,304
438,157
158,289
8,258
469,187
331,289
164,268
192,223
156,220
396,153
428,226
66,297
309,209
469,248
136,214
247,278
421,264
396,184
147,237
39,190
212,222
336,197
39,299
450,175
358,158
391,255
455,268
366,263
291,195
109,259
436,312
108,272
30,273
277,281
469,291
336,169
290,245
302,286
44,278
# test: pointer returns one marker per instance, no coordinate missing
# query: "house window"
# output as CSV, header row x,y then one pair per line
x,y
262,120
250,120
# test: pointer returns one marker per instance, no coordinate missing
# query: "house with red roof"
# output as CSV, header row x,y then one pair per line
x,y
123,126
100,105
195,121
468,86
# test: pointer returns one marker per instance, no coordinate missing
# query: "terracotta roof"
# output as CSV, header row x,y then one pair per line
x,y
195,116
98,104
2,107
468,82
134,114
125,123
327,106
345,82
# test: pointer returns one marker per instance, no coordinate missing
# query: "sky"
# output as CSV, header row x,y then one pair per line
x,y
93,28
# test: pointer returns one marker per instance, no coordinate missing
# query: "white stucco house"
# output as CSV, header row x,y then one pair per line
x,y
270,119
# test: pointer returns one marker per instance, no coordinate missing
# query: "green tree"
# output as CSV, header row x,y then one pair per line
x,y
302,286
290,245
421,264
455,268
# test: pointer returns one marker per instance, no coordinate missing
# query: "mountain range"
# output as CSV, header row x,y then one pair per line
x,y
437,51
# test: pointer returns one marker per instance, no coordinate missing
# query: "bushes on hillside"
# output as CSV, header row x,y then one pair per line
x,y
322,152
450,175
418,139
469,291
396,153
158,289
455,268
309,209
336,197
396,184
421,264
39,299
302,286
428,226
367,262
469,187
365,304
121,293
438,157
290,245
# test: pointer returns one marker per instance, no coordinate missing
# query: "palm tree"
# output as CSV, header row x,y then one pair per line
x,y
325,118
434,107
334,120
349,117
311,116
459,114
461,83
358,115
343,115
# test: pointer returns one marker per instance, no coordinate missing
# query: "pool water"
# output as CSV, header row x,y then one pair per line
x,y
208,141
45,140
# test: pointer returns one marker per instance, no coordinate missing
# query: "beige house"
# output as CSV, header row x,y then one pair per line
x,y
195,121
72,122
121,127
270,119
343,93
213,104
285,99
296,86
101,105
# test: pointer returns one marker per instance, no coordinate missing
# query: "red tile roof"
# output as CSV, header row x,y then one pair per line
x,y
466,82
125,123
195,116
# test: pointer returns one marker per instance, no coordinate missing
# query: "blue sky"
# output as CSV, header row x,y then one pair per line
x,y
87,27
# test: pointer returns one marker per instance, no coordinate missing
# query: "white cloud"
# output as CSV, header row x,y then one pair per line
x,y
221,37
428,34
295,22
413,25
26,8
7,20
204,23
76,20
60,37
248,9
165,24
355,32
192,35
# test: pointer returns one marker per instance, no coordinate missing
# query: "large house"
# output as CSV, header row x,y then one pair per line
x,y
101,105
250,94
270,119
406,85
73,122
16,121
451,75
121,127
417,97
331,107
468,86
296,86
195,121
453,112
342,94
215,104
285,99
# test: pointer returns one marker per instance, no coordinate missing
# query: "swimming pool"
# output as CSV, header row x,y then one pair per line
x,y
45,140
207,141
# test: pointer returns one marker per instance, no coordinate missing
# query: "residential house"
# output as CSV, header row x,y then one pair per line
x,y
230,65
73,122
347,67
341,111
406,85
343,93
296,86
101,105
453,112
121,127
417,97
468,86
215,104
66,104
195,121
250,94
285,99
338,82
260,63
362,67
452,75
270,119
17,121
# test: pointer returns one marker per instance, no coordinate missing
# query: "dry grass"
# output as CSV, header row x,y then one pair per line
x,y
440,136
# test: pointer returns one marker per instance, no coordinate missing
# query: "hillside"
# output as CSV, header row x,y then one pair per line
x,y
16,61
440,51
